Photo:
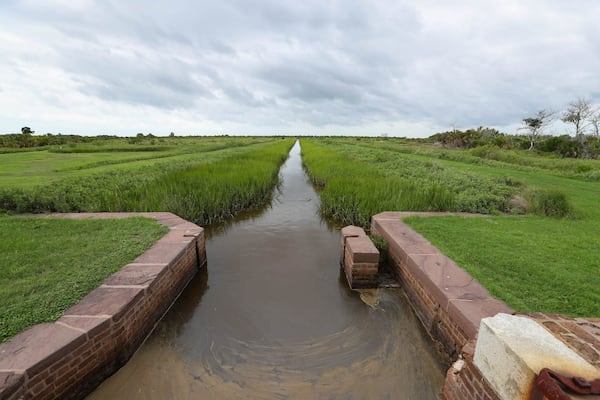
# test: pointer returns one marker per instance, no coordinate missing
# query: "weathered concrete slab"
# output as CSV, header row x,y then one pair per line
x,y
11,384
468,313
350,231
438,289
362,250
136,274
179,236
85,324
38,347
512,349
161,253
107,301
66,359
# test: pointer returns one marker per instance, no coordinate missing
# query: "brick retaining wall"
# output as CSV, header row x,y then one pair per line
x,y
451,304
67,359
447,300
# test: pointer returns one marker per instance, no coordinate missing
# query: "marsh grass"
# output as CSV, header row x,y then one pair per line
x,y
50,264
202,187
357,182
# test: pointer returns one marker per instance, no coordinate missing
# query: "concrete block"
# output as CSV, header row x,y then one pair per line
x,y
511,350
38,347
107,301
348,232
136,274
362,250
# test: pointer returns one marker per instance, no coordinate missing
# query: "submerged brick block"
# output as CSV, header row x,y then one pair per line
x,y
360,258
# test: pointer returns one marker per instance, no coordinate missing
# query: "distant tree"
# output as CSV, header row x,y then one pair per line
x,y
172,134
535,126
579,113
595,123
27,131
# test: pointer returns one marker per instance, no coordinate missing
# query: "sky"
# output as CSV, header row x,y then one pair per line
x,y
401,68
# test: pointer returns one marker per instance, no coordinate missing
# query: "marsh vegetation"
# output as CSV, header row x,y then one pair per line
x,y
538,249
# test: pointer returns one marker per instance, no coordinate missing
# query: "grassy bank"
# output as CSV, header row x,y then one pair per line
x,y
533,262
359,181
203,181
50,264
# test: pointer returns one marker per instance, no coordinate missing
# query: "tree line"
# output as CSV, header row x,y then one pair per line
x,y
535,133
27,139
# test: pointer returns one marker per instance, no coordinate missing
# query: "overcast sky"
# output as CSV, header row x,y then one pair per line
x,y
405,68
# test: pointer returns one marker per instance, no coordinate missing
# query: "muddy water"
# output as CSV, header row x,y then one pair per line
x,y
272,318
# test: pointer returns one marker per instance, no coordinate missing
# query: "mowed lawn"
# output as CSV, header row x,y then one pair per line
x,y
49,264
532,262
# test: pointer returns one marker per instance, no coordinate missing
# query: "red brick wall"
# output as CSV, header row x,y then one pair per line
x,y
448,302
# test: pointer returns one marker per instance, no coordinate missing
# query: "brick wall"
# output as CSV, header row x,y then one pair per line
x,y
69,358
450,304
446,299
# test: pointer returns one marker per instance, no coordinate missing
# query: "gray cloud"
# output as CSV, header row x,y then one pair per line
x,y
325,65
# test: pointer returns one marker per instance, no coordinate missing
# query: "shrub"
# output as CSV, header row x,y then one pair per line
x,y
551,203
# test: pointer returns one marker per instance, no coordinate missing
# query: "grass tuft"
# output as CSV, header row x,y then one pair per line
x,y
550,203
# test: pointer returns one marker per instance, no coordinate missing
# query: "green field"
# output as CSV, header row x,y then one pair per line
x,y
545,260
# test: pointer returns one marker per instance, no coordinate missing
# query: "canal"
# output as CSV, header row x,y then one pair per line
x,y
272,317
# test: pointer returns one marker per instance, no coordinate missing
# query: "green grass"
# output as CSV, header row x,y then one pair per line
x,y
203,182
27,169
533,262
359,181
50,264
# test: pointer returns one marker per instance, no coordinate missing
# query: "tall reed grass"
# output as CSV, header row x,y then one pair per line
x,y
357,182
204,191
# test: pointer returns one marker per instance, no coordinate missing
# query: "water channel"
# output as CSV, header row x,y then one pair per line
x,y
272,317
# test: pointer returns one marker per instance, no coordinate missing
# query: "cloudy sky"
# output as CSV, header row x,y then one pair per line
x,y
405,68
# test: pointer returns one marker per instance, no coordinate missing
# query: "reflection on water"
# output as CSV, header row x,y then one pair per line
x,y
272,317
